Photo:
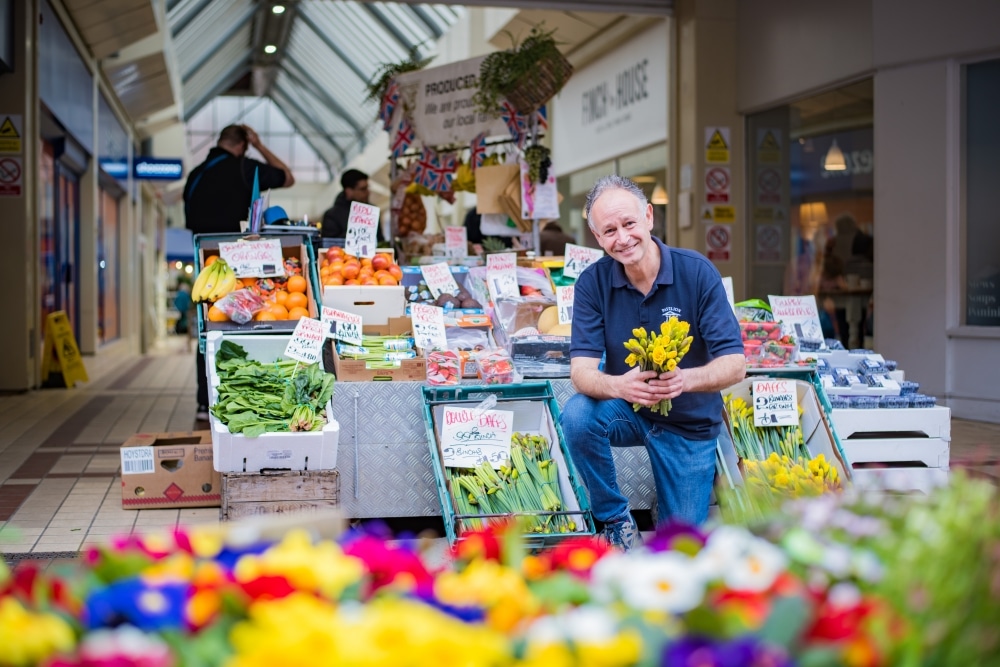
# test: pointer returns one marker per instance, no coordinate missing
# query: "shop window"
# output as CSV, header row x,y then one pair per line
x,y
108,269
981,175
811,202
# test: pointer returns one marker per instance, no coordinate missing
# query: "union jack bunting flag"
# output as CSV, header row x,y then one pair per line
x,y
542,117
517,124
423,166
478,147
441,173
404,137
389,103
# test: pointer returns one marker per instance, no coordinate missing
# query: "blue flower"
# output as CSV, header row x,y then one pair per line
x,y
742,652
146,606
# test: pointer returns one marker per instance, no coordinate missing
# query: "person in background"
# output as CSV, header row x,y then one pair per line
x,y
641,282
185,314
474,233
217,197
553,239
217,193
355,188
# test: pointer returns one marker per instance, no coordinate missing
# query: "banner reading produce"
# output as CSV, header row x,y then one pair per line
x,y
440,104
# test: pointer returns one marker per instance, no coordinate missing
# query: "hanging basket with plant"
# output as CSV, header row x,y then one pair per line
x,y
527,75
383,77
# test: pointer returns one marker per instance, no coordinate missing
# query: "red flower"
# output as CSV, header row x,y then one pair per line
x,y
268,586
481,544
577,555
390,564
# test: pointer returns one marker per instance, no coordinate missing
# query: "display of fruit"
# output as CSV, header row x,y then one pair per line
x,y
214,281
413,215
420,293
548,323
339,268
284,299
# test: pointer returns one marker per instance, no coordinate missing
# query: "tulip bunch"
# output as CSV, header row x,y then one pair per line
x,y
660,352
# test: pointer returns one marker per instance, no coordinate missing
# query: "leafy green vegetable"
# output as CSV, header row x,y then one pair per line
x,y
257,398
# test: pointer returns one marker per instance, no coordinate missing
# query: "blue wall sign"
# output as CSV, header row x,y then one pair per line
x,y
144,168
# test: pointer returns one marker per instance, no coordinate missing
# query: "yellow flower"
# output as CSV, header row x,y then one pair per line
x,y
29,638
488,584
631,359
671,364
659,356
322,568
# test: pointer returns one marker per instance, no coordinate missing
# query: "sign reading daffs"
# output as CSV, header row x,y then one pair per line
x,y
660,352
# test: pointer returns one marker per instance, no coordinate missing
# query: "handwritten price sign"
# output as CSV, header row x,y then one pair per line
x,y
428,326
341,325
564,302
470,436
439,279
306,343
362,227
578,258
456,244
775,403
501,275
254,259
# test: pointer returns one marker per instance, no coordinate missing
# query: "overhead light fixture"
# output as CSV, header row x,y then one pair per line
x,y
278,9
812,214
659,197
834,160
271,48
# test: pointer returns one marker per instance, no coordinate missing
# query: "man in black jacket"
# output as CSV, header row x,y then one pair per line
x,y
355,184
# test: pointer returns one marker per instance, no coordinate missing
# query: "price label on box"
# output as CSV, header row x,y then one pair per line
x,y
439,279
470,436
362,230
501,275
428,326
564,302
254,259
578,258
456,244
775,403
306,343
342,325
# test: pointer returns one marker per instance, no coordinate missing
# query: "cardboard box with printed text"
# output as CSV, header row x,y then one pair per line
x,y
169,470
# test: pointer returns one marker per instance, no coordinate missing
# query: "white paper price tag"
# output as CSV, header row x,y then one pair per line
x,y
428,326
469,436
137,460
362,227
501,275
775,403
254,259
341,325
456,243
578,258
564,302
439,279
306,343
799,317
539,201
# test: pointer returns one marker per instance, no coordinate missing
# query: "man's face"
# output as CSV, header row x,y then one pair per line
x,y
622,226
359,192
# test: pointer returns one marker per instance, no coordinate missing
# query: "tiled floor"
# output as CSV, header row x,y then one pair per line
x,y
59,458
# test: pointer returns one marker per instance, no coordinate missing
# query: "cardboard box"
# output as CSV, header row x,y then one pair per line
x,y
356,370
169,470
257,494
376,304
234,452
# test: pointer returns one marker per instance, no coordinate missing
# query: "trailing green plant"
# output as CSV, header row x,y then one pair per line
x,y
501,71
386,72
539,159
492,244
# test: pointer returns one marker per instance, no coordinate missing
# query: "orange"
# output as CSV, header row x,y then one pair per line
x,y
387,280
395,272
336,267
280,296
296,284
216,315
334,280
366,261
382,273
366,272
279,311
248,282
350,271
297,313
369,281
380,262
210,260
264,316
296,300
352,281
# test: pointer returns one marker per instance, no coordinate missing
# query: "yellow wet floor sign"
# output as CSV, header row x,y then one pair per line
x,y
60,343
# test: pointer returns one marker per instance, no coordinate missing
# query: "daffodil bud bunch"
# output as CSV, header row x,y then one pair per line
x,y
660,352
793,478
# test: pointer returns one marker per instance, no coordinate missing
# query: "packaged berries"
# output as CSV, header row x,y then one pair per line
x,y
894,402
443,367
496,367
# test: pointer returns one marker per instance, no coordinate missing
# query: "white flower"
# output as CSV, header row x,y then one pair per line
x,y
844,595
756,568
836,560
666,581
589,623
725,545
607,574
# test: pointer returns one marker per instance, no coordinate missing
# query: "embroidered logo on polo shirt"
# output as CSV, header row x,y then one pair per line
x,y
671,311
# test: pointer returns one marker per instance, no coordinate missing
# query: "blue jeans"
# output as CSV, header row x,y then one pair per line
x,y
684,470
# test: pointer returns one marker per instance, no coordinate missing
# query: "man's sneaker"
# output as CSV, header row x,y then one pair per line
x,y
623,535
202,414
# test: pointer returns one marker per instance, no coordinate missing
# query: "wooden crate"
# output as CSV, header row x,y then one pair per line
x,y
255,494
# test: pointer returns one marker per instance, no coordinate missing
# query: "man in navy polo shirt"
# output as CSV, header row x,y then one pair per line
x,y
642,283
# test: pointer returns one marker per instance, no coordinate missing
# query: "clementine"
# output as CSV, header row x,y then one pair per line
x,y
215,314
297,313
296,284
296,300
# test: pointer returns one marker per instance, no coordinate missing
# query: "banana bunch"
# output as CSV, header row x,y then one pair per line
x,y
214,282
465,179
